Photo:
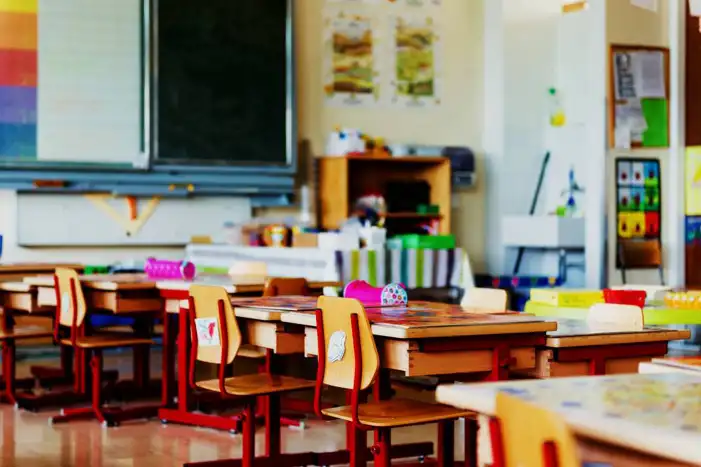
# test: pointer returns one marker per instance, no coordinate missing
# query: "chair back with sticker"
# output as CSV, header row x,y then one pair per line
x,y
216,337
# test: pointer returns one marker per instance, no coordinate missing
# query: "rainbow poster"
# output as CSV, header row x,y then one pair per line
x,y
18,78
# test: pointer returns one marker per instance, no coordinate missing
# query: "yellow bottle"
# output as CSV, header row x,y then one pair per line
x,y
557,113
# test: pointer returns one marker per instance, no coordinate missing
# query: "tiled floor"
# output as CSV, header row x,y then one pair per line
x,y
29,441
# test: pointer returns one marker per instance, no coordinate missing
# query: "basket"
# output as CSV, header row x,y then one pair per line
x,y
625,297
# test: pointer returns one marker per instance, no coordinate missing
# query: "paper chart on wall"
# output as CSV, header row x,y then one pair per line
x,y
351,59
639,75
415,62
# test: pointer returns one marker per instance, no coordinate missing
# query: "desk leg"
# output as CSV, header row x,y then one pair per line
x,y
168,370
183,364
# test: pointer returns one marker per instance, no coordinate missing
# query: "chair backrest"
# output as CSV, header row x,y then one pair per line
x,y
533,436
611,314
285,286
248,268
640,254
70,301
487,300
340,346
216,333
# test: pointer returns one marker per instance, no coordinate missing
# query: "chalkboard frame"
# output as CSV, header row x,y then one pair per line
x,y
159,163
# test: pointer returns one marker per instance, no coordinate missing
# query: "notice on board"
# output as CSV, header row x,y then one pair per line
x,y
639,75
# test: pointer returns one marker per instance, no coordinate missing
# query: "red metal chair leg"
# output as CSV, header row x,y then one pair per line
x,y
382,450
249,435
446,444
471,432
497,443
9,371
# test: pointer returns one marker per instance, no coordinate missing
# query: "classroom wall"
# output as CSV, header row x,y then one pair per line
x,y
532,47
627,24
457,121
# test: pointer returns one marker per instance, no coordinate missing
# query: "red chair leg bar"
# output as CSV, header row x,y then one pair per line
x,y
106,416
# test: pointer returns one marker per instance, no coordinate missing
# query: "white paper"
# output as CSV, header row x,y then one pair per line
x,y
649,74
624,74
207,332
646,4
623,137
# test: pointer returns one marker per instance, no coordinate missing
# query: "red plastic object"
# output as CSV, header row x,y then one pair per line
x,y
625,297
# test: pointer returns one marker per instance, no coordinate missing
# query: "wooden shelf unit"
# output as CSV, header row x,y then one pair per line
x,y
342,180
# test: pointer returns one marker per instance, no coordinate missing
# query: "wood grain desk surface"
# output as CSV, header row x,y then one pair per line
x,y
578,333
431,320
658,414
12,268
116,282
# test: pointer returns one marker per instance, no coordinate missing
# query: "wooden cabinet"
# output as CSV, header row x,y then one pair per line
x,y
342,180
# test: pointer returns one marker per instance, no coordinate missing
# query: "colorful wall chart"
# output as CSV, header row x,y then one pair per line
x,y
351,59
638,206
18,78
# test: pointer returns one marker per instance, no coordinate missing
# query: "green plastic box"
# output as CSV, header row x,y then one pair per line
x,y
422,242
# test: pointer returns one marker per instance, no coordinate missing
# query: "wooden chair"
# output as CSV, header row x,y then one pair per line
x,y
216,338
487,300
9,335
640,254
71,313
348,359
275,286
529,436
610,314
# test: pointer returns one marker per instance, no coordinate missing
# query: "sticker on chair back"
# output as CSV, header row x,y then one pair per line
x,y
207,332
65,307
337,346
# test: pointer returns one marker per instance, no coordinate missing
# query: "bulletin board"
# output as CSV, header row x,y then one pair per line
x,y
638,111
638,199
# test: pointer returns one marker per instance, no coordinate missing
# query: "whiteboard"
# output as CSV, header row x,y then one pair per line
x,y
72,220
90,81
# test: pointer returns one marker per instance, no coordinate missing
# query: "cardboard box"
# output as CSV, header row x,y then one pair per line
x,y
305,240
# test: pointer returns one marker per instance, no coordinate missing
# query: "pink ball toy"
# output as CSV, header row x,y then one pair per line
x,y
390,294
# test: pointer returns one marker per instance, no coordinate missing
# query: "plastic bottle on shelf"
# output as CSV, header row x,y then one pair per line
x,y
557,112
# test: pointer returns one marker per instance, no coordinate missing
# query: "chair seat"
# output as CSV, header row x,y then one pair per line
x,y
25,332
257,385
251,351
107,341
398,412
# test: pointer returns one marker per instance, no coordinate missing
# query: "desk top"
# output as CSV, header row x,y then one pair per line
x,y
653,315
428,320
21,287
578,333
659,414
117,282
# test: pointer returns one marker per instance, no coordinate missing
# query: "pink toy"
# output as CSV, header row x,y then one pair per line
x,y
165,269
391,294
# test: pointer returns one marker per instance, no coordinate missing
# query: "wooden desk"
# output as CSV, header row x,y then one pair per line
x,y
637,419
129,293
439,339
576,348
17,271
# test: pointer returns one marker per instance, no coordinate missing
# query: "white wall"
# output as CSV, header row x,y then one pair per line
x,y
530,46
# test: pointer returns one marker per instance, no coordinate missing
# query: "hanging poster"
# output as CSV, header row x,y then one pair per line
x,y
351,60
692,185
415,62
